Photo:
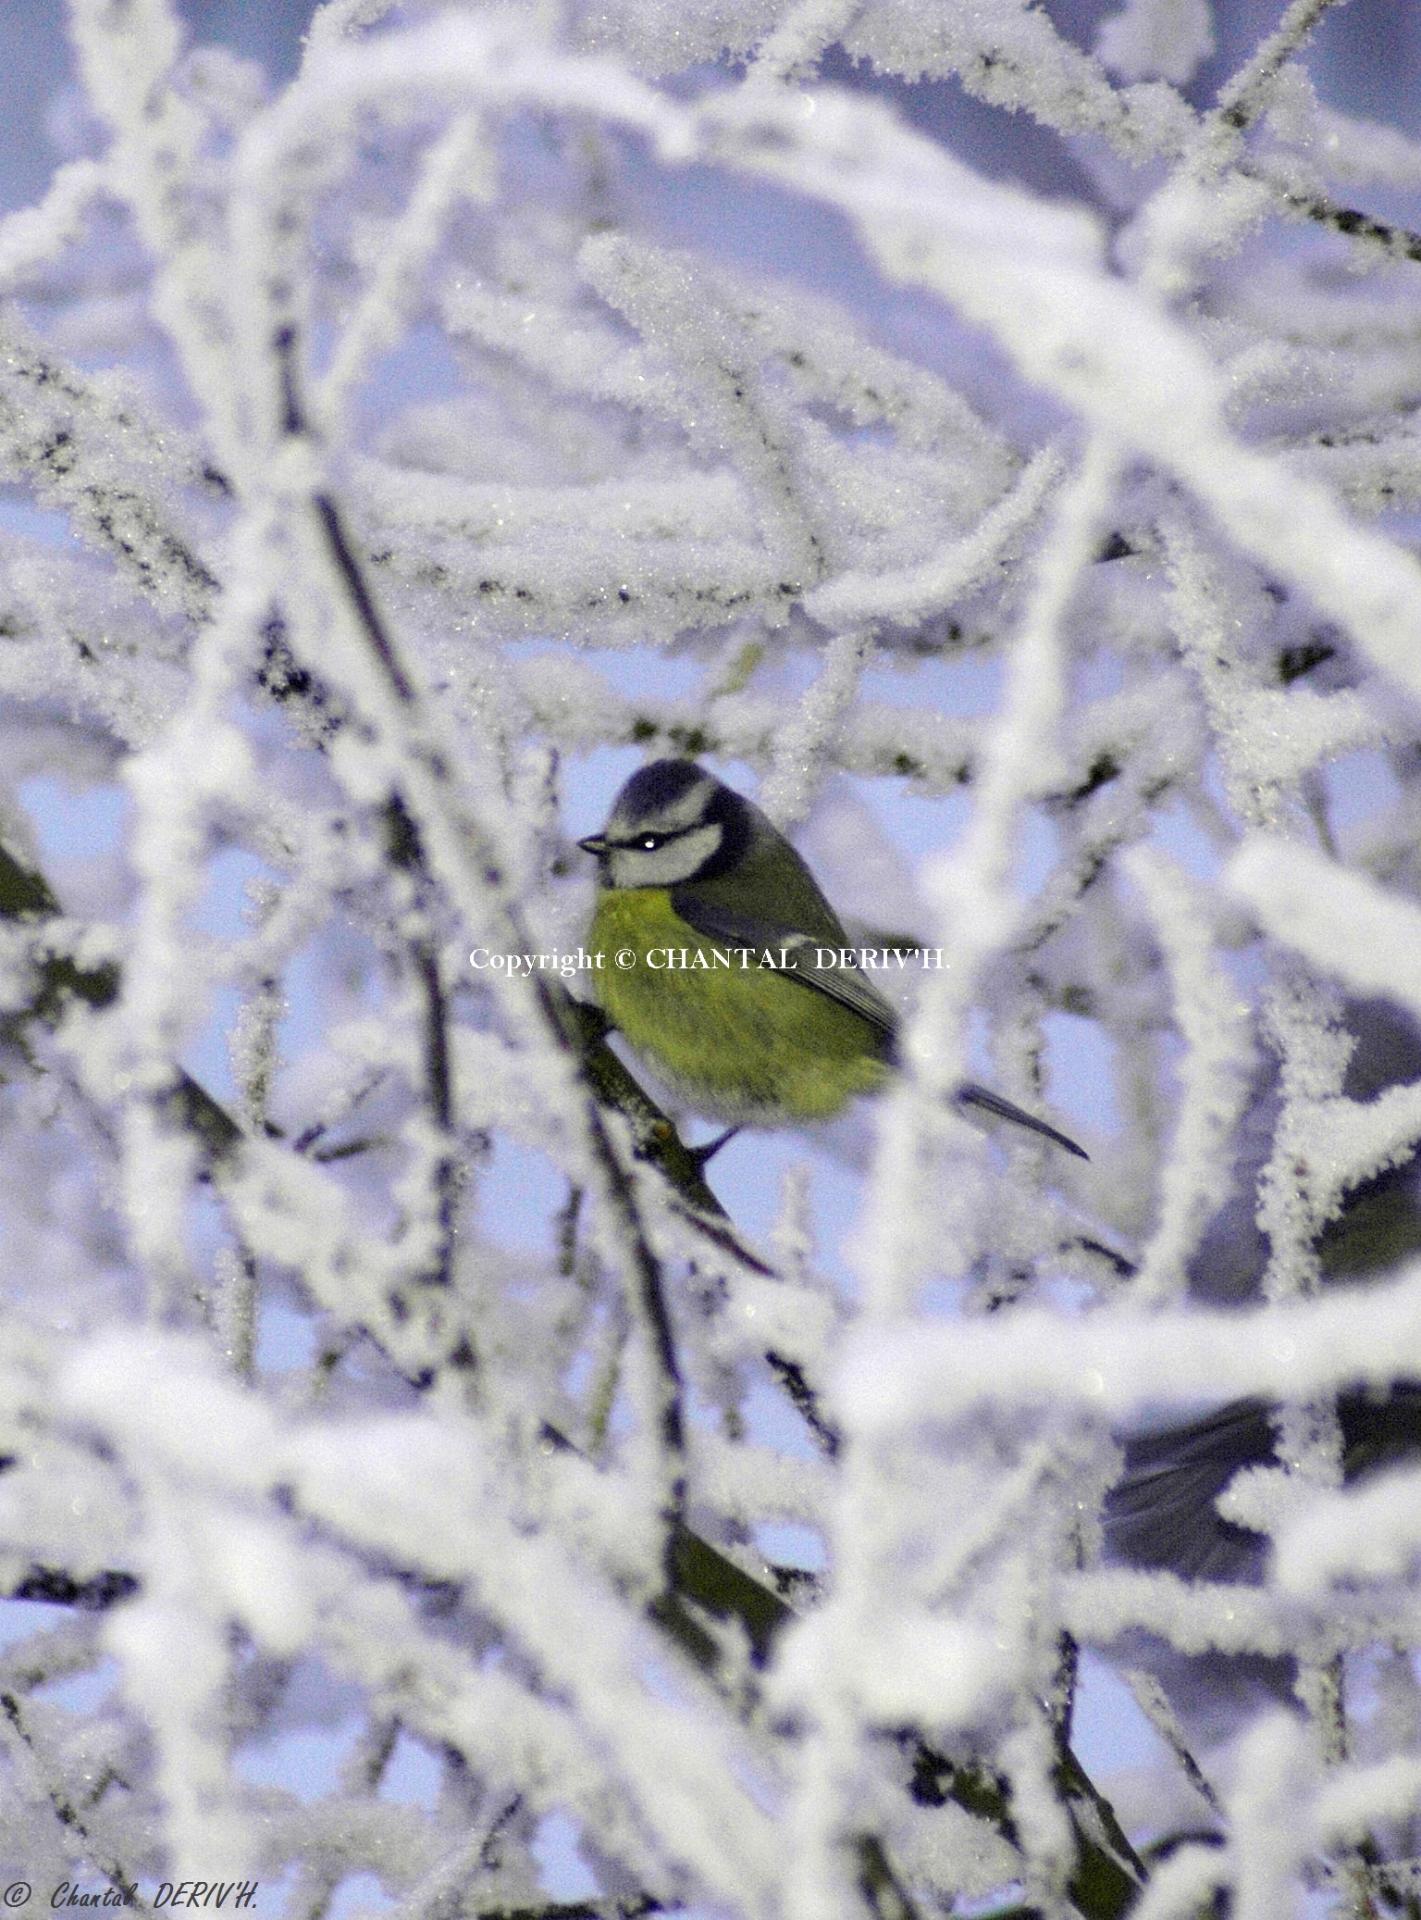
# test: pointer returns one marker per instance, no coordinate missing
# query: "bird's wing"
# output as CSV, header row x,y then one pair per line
x,y
842,981
839,980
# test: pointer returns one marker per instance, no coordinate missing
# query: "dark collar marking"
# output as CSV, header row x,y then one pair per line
x,y
730,813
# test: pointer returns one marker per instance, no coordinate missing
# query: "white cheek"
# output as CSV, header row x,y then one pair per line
x,y
665,866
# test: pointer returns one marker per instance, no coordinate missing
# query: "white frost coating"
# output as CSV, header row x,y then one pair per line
x,y
167,1399
899,1378
1373,1533
1366,150
456,168
1268,738
1012,54
1345,1142
938,583
973,912
392,460
1276,1773
1367,583
126,57
331,22
123,474
200,764
731,411
1182,1885
1389,1790
1058,319
1289,733
178,1699
701,1796
1056,331
34,235
949,1670
1164,38
797,43
1343,921
801,748
1214,1076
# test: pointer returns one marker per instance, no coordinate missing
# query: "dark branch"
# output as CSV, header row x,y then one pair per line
x,y
56,1588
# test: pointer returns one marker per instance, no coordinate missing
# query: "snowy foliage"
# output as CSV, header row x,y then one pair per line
x,y
419,1492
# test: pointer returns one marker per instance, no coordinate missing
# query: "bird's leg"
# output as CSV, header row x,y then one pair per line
x,y
712,1147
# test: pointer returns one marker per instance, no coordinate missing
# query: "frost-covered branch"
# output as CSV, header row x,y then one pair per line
x,y
399,452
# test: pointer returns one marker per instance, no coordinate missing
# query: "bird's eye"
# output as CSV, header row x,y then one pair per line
x,y
649,842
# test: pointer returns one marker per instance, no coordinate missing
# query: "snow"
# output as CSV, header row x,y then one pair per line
x,y
397,453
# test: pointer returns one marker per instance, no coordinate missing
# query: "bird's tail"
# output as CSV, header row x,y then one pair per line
x,y
971,1095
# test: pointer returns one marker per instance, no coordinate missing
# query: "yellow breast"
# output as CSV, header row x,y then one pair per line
x,y
732,1038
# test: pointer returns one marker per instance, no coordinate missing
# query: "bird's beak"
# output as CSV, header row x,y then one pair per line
x,y
594,844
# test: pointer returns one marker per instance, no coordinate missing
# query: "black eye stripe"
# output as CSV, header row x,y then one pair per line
x,y
636,843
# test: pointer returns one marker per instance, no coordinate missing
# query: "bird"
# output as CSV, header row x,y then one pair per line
x,y
714,952
1162,1511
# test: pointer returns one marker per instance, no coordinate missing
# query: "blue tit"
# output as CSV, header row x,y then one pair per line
x,y
718,958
